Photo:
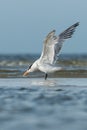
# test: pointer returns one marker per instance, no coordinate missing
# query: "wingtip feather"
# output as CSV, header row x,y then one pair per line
x,y
76,24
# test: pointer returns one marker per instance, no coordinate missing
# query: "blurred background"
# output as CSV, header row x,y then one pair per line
x,y
25,23
31,103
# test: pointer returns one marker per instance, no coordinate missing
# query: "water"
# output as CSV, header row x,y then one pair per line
x,y
32,103
15,65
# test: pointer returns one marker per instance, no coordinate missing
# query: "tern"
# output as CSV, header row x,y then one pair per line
x,y
50,53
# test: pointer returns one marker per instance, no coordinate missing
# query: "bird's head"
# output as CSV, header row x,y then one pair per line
x,y
28,70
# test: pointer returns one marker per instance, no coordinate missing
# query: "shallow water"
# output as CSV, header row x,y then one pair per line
x,y
31,103
36,104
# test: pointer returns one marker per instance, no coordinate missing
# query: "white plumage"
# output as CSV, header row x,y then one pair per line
x,y
51,48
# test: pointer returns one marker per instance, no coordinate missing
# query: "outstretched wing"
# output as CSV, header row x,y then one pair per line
x,y
53,44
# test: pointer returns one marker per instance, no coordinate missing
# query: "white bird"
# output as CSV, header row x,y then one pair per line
x,y
51,48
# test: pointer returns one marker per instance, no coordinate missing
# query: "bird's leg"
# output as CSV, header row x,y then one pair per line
x,y
46,76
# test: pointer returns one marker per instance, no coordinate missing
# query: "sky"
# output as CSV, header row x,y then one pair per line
x,y
25,23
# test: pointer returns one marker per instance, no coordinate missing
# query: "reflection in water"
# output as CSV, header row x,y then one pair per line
x,y
42,82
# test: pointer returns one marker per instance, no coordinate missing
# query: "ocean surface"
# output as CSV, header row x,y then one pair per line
x,y
15,65
32,103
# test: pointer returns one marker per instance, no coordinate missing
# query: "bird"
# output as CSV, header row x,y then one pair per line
x,y
50,53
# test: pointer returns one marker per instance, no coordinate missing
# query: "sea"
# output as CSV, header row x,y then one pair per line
x,y
33,103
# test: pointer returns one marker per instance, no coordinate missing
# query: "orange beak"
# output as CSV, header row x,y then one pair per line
x,y
26,73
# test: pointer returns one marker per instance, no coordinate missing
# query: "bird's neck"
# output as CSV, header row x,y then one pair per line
x,y
34,66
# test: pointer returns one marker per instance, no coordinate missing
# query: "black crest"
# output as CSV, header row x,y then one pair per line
x,y
29,66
